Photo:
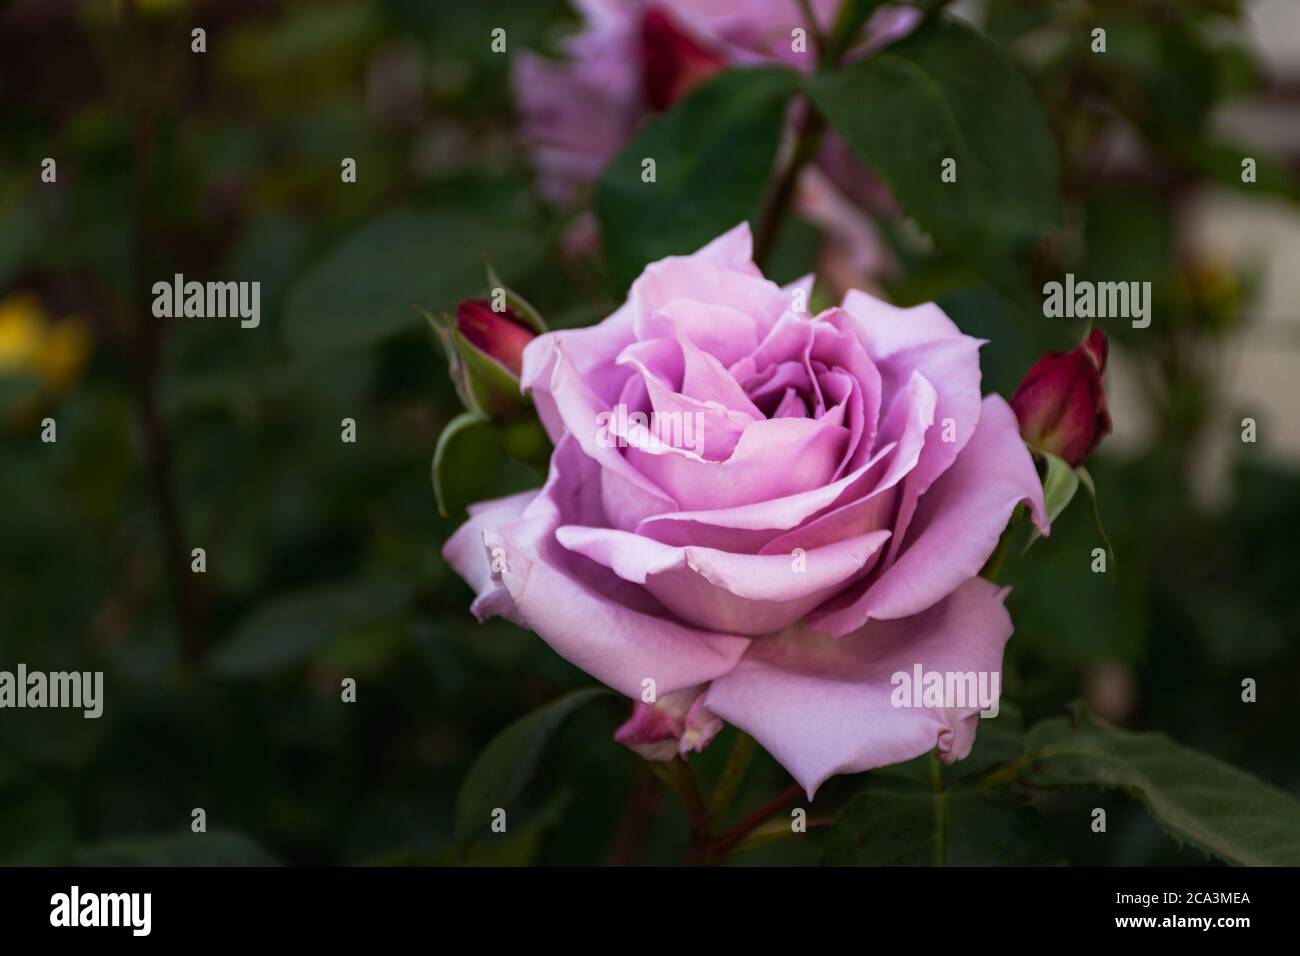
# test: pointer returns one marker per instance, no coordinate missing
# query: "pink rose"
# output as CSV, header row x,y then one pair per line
x,y
634,58
784,509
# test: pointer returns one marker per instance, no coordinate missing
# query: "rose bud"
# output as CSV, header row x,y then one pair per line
x,y
485,348
499,335
672,63
485,351
1061,404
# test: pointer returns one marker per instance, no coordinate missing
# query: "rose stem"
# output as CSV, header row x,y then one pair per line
x,y
742,752
728,841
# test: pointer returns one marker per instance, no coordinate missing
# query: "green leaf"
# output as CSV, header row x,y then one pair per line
x,y
1059,485
887,827
1000,741
369,287
504,768
187,849
1090,486
523,308
852,16
19,228
947,92
1222,162
1195,798
713,155
287,631
518,846
488,462
452,430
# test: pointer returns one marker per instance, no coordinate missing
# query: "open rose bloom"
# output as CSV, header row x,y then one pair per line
x,y
766,513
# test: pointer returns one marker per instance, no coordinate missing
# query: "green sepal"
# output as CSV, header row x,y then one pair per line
x,y
1059,486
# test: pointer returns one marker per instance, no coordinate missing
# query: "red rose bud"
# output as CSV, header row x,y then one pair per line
x,y
485,352
499,335
1061,404
672,63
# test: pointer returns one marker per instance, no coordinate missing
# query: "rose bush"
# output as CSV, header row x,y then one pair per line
x,y
825,532
635,58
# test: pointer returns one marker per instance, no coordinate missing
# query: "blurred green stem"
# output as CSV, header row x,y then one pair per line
x,y
993,566
812,127
142,102
699,853
742,752
811,130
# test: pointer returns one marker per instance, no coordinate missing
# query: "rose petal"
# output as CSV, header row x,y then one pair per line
x,y
774,458
956,528
905,429
612,630
464,549
747,528
586,418
822,706
721,330
589,350
737,593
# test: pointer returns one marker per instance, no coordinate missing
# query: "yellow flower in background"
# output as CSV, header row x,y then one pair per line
x,y
32,344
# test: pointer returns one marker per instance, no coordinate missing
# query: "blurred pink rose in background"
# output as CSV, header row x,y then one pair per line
x,y
823,531
634,58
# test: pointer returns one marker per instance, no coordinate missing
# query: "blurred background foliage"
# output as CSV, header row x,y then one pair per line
x,y
223,688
